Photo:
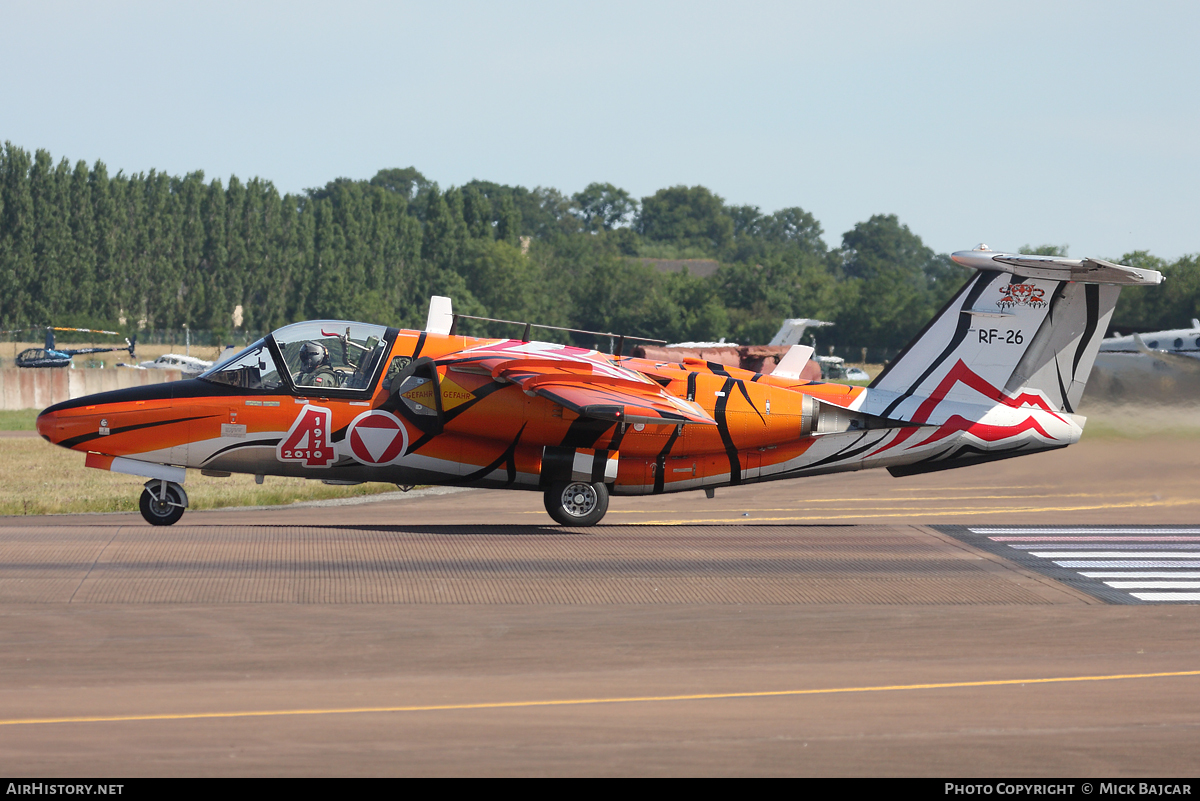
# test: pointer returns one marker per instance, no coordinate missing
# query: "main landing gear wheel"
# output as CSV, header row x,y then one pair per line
x,y
577,503
162,508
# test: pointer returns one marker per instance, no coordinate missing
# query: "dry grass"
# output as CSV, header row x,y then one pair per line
x,y
39,478
1140,421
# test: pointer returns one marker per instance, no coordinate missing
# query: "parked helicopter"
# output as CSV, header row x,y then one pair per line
x,y
997,373
52,356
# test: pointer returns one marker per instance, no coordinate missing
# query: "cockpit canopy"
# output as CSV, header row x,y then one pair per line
x,y
325,355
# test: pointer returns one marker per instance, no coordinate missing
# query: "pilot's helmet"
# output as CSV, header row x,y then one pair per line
x,y
312,356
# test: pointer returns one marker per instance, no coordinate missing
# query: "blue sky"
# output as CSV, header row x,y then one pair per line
x,y
1015,123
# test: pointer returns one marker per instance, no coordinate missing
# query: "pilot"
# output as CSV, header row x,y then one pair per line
x,y
315,370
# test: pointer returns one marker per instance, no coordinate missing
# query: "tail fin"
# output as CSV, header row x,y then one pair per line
x,y
1023,325
1001,369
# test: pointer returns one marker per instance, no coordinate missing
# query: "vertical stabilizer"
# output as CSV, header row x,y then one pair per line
x,y
441,315
1001,369
1024,325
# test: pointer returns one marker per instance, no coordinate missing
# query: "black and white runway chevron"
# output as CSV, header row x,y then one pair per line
x,y
1124,565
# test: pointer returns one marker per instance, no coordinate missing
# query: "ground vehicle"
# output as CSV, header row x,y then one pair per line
x,y
997,373
833,368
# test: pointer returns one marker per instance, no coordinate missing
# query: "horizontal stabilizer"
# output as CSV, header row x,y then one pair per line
x,y
1084,271
792,363
792,329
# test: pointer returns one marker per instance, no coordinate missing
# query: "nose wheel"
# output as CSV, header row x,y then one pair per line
x,y
577,503
162,502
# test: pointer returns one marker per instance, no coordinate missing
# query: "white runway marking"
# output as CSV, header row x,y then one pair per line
x,y
1155,585
1157,558
1058,532
1092,545
1132,574
1079,542
1117,554
1125,563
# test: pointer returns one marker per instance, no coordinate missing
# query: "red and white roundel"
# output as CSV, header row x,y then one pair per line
x,y
376,438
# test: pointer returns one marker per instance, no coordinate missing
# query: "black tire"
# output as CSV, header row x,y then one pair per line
x,y
158,513
576,503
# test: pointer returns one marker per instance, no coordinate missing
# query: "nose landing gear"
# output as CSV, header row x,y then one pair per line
x,y
162,502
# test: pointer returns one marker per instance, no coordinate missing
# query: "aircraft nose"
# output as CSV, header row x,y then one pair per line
x,y
47,422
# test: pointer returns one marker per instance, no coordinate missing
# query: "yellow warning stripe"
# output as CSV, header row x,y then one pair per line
x,y
590,701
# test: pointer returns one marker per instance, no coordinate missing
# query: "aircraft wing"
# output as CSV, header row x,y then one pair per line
x,y
588,387
619,403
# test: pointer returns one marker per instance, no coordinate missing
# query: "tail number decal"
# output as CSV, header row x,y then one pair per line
x,y
989,335
307,441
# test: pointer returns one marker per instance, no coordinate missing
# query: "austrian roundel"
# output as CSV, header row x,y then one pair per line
x,y
376,438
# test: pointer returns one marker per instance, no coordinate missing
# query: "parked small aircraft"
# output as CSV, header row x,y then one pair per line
x,y
997,373
188,365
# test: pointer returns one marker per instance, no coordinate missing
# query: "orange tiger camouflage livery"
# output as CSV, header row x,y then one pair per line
x,y
997,373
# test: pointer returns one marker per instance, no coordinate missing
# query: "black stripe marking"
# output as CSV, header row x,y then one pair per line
x,y
964,457
507,458
420,442
615,443
1091,294
258,443
169,390
960,333
480,394
73,441
735,467
1056,299
746,394
1062,390
848,452
584,432
420,345
661,463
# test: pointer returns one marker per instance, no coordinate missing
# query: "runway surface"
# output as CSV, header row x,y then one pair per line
x,y
842,625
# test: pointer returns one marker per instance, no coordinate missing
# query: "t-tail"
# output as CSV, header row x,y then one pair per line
x,y
1000,371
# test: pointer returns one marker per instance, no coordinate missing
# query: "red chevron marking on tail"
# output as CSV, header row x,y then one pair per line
x,y
961,374
984,431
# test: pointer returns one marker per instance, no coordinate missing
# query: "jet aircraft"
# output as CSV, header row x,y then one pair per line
x,y
997,373
1184,341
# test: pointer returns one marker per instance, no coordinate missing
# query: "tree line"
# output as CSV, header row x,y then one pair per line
x,y
81,247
